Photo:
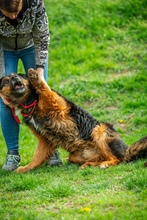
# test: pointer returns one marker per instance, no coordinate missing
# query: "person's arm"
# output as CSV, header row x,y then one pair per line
x,y
2,64
40,70
41,36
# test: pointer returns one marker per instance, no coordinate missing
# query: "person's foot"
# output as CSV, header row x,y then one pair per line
x,y
12,161
55,159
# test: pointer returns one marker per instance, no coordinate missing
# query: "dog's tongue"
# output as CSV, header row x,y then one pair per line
x,y
18,86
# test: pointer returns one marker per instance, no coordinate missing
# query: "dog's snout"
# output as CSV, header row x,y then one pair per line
x,y
14,77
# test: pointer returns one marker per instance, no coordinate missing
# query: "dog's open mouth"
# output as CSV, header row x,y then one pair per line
x,y
18,86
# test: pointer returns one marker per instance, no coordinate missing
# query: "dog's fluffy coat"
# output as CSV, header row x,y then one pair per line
x,y
58,122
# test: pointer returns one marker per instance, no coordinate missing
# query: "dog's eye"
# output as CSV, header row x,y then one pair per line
x,y
6,81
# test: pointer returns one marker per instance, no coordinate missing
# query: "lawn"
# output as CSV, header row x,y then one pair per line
x,y
98,59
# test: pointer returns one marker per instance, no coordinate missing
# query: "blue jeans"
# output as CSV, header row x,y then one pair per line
x,y
10,127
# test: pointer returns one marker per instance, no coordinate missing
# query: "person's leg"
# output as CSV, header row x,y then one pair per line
x,y
28,59
10,127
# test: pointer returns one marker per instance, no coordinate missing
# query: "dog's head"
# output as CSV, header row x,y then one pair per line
x,y
14,89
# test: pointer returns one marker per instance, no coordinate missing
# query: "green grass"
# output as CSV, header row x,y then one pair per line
x,y
98,59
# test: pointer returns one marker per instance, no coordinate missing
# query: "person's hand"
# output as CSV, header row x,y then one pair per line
x,y
7,101
40,71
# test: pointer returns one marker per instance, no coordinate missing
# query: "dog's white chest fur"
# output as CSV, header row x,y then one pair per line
x,y
17,111
34,124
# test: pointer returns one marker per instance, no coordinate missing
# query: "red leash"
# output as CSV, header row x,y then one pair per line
x,y
15,116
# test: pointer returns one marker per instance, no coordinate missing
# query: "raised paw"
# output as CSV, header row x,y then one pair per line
x,y
32,74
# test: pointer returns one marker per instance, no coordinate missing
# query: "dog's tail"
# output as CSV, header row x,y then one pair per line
x,y
136,151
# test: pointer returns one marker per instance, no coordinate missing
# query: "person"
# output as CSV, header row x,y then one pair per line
x,y
24,35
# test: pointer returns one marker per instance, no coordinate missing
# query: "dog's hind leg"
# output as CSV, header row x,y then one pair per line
x,y
103,164
42,154
76,158
100,135
94,164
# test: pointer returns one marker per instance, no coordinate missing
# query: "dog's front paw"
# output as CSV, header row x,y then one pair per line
x,y
32,74
22,169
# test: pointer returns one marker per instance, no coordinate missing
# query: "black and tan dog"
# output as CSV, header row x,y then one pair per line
x,y
57,122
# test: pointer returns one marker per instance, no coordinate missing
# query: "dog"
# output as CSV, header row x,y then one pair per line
x,y
58,122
